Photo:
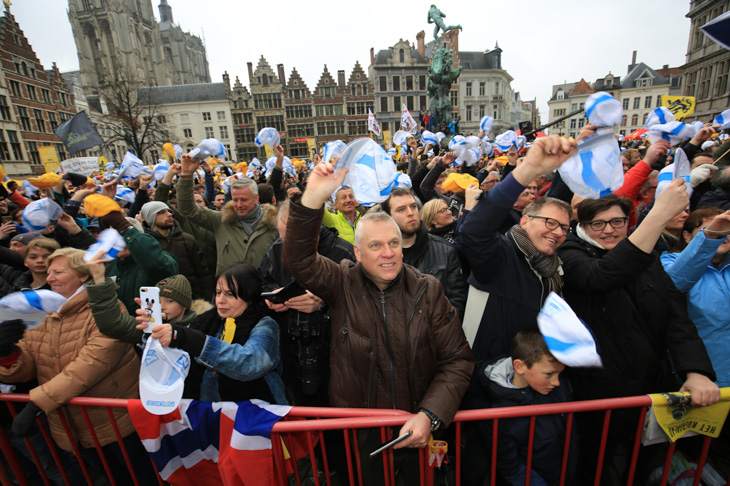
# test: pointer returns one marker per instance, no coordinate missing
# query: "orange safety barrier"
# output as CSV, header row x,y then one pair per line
x,y
349,421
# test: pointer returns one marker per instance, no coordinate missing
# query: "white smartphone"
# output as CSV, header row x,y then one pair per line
x,y
150,300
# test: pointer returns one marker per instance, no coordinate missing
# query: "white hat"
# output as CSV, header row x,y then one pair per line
x,y
209,147
486,124
566,336
38,214
708,144
595,169
267,136
162,377
603,110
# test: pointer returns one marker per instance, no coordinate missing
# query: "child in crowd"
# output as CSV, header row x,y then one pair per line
x,y
531,376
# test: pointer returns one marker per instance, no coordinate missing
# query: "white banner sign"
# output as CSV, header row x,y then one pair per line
x,y
81,165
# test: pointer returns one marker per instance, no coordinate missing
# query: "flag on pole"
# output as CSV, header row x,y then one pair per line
x,y
78,133
373,124
407,121
718,29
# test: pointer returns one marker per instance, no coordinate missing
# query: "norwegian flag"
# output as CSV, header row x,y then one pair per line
x,y
373,124
407,121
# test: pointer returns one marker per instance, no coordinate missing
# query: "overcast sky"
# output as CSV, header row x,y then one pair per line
x,y
543,42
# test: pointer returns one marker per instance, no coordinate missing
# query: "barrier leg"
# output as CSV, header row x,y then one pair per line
x,y
702,460
566,449
9,455
602,449
637,445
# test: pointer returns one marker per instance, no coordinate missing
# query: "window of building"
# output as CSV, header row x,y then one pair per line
x,y
300,130
721,84
184,118
31,92
244,135
646,115
482,88
454,95
39,121
15,145
335,127
482,111
572,123
61,151
383,104
556,113
15,89
468,88
409,103
468,112
35,157
658,101
623,121
626,103
52,119
206,116
383,83
4,108
224,132
496,88
396,103
581,122
384,126
221,115
267,101
24,120
188,132
573,107
422,83
4,150
209,132
46,96
634,119
401,55
396,83
647,102
422,102
162,119
637,102
357,128
409,83
275,121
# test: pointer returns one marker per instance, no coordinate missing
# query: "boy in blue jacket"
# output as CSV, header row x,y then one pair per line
x,y
529,377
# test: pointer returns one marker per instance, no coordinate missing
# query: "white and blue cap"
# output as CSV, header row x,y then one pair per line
x,y
507,140
39,214
707,144
673,132
125,194
31,306
267,136
595,170
371,172
456,142
566,336
486,124
209,147
109,243
332,150
679,169
429,137
132,167
659,116
723,119
255,164
469,156
162,374
603,110
403,180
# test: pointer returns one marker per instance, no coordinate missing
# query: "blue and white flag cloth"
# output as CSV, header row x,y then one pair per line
x,y
132,167
28,188
487,149
659,116
332,150
30,306
109,166
39,214
603,110
371,172
673,132
509,139
289,168
698,125
125,194
403,180
679,169
485,125
110,242
255,164
456,143
267,136
566,336
401,138
723,119
429,138
160,169
595,170
210,147
469,156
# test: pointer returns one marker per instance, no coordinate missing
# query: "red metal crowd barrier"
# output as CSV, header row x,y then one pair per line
x,y
349,421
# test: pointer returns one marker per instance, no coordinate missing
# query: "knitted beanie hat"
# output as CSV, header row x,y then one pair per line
x,y
176,288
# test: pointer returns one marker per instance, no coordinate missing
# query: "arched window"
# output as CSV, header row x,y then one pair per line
x,y
623,121
646,115
402,56
634,119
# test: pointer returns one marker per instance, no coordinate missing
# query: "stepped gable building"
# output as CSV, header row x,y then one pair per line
x,y
32,102
360,97
299,107
267,91
329,107
119,36
244,128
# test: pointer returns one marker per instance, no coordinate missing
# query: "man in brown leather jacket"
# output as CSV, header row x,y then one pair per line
x,y
397,342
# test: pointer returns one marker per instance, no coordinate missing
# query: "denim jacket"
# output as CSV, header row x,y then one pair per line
x,y
257,358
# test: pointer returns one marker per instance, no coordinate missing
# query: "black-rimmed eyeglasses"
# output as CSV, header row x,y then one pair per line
x,y
599,224
553,224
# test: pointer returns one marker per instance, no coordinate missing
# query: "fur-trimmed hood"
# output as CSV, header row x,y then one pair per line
x,y
228,214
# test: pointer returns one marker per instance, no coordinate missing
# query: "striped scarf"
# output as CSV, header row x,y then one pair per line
x,y
548,267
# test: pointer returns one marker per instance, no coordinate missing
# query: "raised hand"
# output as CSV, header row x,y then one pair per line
x,y
189,165
321,184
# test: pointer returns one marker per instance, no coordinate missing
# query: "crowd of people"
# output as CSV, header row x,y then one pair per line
x,y
426,302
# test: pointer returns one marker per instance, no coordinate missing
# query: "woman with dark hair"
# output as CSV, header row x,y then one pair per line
x,y
233,343
700,268
615,283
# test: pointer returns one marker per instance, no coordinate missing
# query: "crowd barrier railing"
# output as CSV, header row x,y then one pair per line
x,y
349,422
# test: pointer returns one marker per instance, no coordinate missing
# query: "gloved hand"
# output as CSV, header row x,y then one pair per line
x,y
116,220
188,340
24,424
10,333
701,174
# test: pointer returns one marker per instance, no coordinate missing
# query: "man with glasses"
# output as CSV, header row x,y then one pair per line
x,y
511,275
490,181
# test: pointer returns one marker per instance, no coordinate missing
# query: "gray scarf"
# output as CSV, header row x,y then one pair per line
x,y
250,221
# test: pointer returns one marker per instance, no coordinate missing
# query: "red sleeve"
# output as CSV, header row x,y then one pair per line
x,y
18,199
634,179
10,360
